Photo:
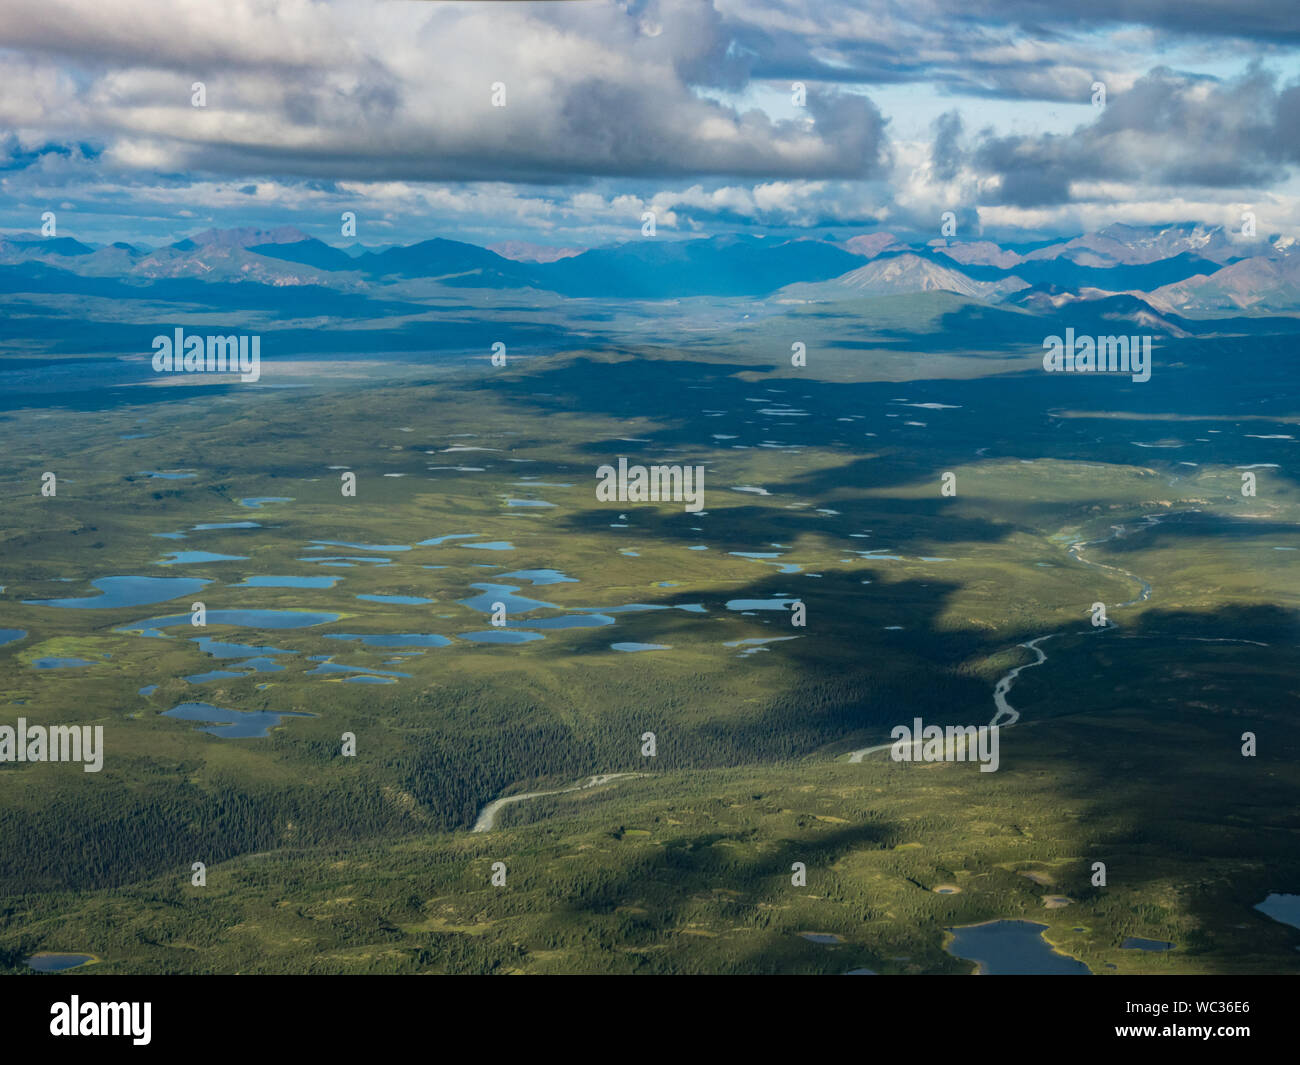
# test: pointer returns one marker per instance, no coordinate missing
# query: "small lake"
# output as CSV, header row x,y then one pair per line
x,y
505,594
47,961
761,604
129,591
11,635
640,647
257,502
231,724
251,666
62,663
570,621
218,649
181,558
1284,908
1012,948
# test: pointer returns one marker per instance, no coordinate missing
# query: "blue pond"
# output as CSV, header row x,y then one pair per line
x,y
230,724
260,665
760,604
437,540
571,621
10,635
1284,908
166,476
62,663
228,525
234,650
129,591
1012,948
640,647
503,593
48,962
256,502
252,665
180,558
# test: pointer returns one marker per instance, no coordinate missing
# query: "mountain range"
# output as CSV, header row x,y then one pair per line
x,y
1187,270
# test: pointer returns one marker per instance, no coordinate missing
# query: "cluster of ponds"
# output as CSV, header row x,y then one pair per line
x,y
526,618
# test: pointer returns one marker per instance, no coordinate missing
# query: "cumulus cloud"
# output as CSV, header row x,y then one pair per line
x,y
406,91
617,106
1170,129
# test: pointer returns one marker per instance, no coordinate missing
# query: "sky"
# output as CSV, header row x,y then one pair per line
x,y
989,109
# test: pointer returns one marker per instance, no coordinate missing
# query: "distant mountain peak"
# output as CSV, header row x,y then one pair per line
x,y
521,251
246,236
895,275
869,245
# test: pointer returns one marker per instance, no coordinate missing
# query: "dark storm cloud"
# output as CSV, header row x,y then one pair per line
x,y
946,153
1169,129
1015,49
1263,20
